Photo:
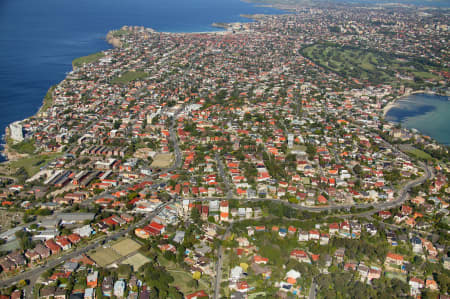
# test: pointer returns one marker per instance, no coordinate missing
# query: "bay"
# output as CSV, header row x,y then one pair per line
x,y
427,113
39,39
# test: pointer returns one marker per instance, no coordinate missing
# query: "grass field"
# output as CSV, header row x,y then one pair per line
x,y
162,161
128,77
363,64
104,256
126,246
48,100
182,278
87,59
136,261
419,154
32,164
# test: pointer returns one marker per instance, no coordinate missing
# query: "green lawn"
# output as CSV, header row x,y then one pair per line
x,y
24,147
128,77
419,154
48,99
34,163
87,59
183,279
367,64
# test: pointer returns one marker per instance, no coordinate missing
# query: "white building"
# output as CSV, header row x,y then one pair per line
x,y
16,132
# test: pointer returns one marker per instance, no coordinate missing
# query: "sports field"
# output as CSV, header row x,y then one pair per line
x,y
125,247
162,161
136,261
104,256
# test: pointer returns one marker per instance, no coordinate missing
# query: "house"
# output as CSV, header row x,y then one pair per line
x,y
406,210
74,238
47,292
363,271
314,235
32,255
119,288
292,276
235,273
350,266
431,284
303,236
416,243
374,273
393,258
446,261
179,237
324,239
84,231
242,286
43,251
60,293
92,279
197,295
63,242
243,242
339,254
416,284
6,264
89,293
107,286
224,210
384,214
300,256
54,248
371,229
333,228
260,260
17,258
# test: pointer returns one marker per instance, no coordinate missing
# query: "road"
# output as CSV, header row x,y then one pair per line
x,y
312,290
224,176
33,274
219,264
177,165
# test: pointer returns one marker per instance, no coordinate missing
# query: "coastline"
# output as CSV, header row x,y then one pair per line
x,y
7,154
391,104
431,122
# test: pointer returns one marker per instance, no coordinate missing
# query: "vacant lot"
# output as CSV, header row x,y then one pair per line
x,y
162,161
126,246
104,256
136,261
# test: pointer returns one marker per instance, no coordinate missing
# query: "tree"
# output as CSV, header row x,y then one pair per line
x,y
22,283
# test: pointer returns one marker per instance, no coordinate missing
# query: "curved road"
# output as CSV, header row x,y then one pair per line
x,y
33,274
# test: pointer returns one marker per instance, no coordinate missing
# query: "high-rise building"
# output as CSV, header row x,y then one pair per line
x,y
16,132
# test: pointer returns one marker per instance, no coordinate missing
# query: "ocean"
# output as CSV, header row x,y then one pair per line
x,y
39,39
427,113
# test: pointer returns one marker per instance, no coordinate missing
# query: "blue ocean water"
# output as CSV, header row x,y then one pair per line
x,y
39,39
427,113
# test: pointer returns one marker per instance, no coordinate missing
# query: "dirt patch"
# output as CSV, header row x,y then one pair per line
x,y
162,161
